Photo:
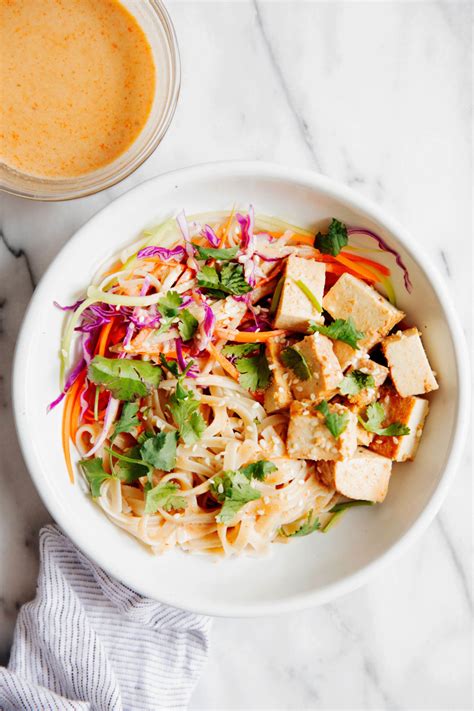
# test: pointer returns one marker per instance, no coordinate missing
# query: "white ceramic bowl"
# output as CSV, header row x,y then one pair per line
x,y
309,570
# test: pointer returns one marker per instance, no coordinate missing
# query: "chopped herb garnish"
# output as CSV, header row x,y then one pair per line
x,y
254,372
95,474
164,496
168,306
356,381
258,470
340,330
375,417
240,349
230,280
233,490
187,325
293,359
126,379
185,410
128,419
334,240
217,254
309,294
335,422
160,451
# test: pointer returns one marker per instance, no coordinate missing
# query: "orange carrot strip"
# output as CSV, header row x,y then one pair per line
x,y
114,268
66,427
361,271
103,338
222,360
248,336
77,407
370,262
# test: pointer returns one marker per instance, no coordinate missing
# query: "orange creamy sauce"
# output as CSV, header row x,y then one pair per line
x,y
77,82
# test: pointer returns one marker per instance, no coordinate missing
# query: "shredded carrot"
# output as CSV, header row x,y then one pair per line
x,y
223,361
357,268
76,407
370,262
103,338
114,268
66,425
248,336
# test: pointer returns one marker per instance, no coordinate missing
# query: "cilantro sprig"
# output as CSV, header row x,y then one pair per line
x,y
126,379
335,422
254,371
229,280
233,489
355,381
340,330
375,414
293,359
164,496
334,240
128,419
216,253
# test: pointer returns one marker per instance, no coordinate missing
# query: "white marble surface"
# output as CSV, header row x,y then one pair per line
x,y
376,94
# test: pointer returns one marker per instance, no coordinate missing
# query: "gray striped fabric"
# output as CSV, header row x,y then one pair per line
x,y
88,642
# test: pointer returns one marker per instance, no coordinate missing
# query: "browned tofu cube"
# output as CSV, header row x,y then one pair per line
x,y
309,437
326,373
365,476
278,394
368,367
409,367
410,411
370,311
295,310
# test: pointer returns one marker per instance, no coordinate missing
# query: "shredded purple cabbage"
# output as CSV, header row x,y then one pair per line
x,y
386,248
246,223
193,371
177,252
72,307
71,378
211,236
268,259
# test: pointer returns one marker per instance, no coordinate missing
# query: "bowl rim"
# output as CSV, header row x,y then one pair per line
x,y
338,190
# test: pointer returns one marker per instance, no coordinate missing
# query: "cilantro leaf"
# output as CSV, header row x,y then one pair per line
x,y
187,325
218,254
128,419
184,408
254,372
356,381
258,470
335,422
293,359
168,305
126,379
233,490
240,349
170,365
335,239
340,330
305,529
130,466
343,505
95,474
160,451
375,417
164,496
230,280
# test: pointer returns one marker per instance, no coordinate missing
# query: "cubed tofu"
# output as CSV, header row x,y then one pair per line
x,y
409,367
365,476
370,311
411,411
379,374
364,437
278,394
295,310
326,373
309,437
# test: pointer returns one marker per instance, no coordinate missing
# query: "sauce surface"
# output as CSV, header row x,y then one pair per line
x,y
77,82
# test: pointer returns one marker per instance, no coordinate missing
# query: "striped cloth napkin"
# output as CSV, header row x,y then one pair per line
x,y
88,642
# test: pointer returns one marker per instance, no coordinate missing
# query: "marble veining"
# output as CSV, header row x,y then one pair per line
x,y
376,94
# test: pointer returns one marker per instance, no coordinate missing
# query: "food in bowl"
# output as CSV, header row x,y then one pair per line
x,y
241,382
78,84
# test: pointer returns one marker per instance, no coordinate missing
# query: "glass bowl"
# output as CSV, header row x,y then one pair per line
x,y
156,23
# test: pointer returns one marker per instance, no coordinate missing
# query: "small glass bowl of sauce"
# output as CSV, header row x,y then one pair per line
x,y
87,92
